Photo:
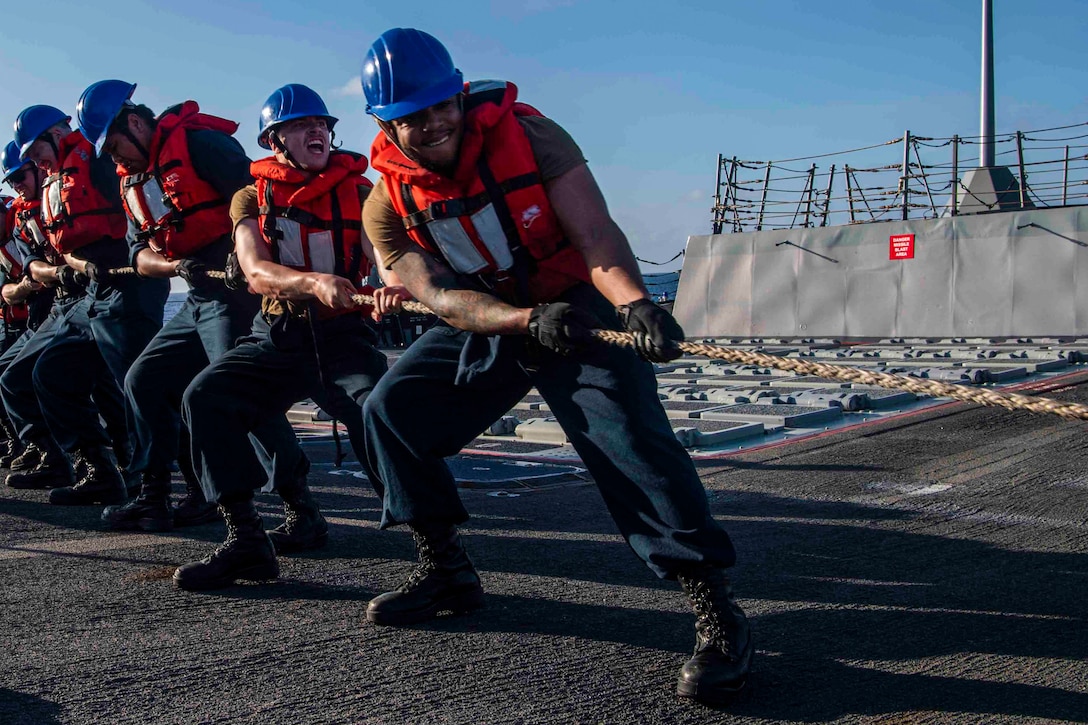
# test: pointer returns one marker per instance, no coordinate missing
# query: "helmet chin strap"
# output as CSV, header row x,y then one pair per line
x,y
48,136
136,143
127,133
279,146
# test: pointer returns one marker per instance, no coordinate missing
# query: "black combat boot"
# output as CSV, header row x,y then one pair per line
x,y
444,580
9,451
305,527
10,447
30,457
133,481
101,482
246,554
149,511
723,646
194,509
51,470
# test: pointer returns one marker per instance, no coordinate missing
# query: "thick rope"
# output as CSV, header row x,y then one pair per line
x,y
937,389
211,273
920,386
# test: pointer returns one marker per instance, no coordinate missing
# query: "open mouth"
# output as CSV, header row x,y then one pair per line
x,y
437,142
315,146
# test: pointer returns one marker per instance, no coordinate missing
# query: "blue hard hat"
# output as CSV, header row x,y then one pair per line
x,y
292,101
33,121
10,160
99,106
405,71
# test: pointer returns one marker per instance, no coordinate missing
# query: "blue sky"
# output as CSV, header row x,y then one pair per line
x,y
652,91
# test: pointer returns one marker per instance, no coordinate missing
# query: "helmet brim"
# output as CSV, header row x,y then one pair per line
x,y
11,172
419,100
262,140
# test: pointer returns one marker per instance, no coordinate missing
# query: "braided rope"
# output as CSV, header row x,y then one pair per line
x,y
937,389
408,306
920,386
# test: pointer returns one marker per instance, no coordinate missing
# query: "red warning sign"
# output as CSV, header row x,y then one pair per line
x,y
901,246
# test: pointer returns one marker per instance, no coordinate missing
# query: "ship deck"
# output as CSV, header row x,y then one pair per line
x,y
901,561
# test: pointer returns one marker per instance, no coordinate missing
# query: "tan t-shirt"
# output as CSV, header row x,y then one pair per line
x,y
244,204
555,151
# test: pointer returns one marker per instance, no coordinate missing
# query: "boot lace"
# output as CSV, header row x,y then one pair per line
x,y
293,517
708,597
427,563
232,535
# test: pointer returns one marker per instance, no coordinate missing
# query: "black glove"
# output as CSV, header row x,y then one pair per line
x,y
561,327
101,275
235,279
193,272
656,331
73,282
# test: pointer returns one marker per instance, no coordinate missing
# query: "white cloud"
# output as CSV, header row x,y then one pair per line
x,y
353,87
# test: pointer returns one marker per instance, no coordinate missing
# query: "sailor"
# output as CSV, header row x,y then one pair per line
x,y
41,463
107,329
178,173
299,241
13,309
24,303
490,216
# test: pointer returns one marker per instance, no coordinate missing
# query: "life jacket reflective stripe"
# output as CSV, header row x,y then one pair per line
x,y
12,258
74,212
314,224
493,218
175,210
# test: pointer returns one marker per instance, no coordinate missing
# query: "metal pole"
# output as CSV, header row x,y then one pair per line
x,y
736,200
811,192
827,195
955,174
763,201
925,180
906,174
1023,175
716,222
986,151
1065,177
849,192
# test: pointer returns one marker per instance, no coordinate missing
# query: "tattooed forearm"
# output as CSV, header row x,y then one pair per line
x,y
435,285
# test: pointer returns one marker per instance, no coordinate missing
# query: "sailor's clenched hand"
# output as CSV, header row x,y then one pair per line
x,y
333,291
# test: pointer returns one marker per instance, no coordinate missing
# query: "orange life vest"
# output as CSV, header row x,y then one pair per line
x,y
11,259
314,223
493,210
176,211
74,212
27,218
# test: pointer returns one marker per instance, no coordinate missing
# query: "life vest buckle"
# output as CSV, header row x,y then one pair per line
x,y
448,208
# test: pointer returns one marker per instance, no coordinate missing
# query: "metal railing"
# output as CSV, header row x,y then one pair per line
x,y
924,180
